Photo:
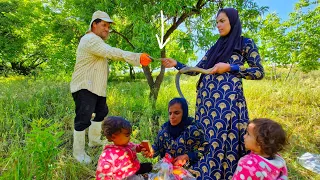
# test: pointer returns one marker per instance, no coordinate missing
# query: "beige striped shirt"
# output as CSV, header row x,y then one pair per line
x,y
91,68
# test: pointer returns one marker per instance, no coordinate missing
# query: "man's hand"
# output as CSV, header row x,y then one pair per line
x,y
168,62
220,68
181,160
145,59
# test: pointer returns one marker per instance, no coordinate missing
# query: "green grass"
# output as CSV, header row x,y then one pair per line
x,y
36,120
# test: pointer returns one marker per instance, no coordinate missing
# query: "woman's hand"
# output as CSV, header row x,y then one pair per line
x,y
181,160
169,62
220,68
146,153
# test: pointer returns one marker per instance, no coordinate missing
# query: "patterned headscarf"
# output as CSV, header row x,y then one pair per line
x,y
176,130
222,50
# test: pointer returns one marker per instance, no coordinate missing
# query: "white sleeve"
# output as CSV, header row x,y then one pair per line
x,y
98,47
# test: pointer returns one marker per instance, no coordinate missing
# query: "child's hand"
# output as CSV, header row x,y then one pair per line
x,y
146,153
139,148
146,149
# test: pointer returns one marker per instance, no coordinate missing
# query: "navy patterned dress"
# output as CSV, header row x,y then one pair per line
x,y
190,141
222,113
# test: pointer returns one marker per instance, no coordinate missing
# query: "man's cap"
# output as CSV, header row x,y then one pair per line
x,y
100,15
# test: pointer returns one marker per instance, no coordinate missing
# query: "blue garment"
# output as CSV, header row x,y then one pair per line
x,y
190,141
183,138
222,112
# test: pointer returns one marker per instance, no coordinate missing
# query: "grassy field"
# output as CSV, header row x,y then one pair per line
x,y
36,120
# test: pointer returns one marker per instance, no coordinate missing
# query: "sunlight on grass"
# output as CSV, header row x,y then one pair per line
x,y
295,103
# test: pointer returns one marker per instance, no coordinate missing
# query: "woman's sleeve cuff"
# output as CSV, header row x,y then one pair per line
x,y
234,68
192,156
179,66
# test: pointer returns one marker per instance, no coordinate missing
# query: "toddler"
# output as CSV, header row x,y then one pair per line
x,y
264,138
119,160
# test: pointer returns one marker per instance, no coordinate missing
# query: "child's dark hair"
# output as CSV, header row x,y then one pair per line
x,y
114,124
270,135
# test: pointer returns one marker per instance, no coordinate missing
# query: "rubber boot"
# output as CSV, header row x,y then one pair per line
x,y
95,135
78,147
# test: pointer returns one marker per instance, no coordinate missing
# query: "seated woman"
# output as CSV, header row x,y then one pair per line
x,y
180,136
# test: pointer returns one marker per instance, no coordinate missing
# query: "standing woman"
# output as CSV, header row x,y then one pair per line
x,y
221,105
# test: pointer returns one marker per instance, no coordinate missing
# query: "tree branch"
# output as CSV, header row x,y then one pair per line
x,y
39,63
183,17
124,37
147,72
159,78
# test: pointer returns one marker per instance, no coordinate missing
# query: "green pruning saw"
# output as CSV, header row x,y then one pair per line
x,y
155,59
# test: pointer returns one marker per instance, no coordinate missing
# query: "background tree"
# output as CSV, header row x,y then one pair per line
x,y
36,35
304,35
187,23
274,43
294,41
44,34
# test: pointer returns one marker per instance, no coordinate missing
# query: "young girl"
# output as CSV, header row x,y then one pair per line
x,y
119,161
264,138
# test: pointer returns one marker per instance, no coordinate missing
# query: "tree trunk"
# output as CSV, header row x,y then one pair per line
x,y
289,71
154,90
132,73
274,68
154,85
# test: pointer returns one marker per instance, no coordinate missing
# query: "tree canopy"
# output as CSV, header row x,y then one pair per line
x,y
42,35
295,41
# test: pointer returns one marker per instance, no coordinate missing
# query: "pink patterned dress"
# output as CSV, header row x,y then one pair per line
x,y
117,162
255,167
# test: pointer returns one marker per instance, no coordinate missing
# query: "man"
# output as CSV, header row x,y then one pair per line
x,y
89,81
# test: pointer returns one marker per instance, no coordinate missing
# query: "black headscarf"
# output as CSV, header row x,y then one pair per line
x,y
176,130
222,50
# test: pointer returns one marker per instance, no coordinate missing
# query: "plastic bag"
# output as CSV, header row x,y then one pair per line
x,y
135,177
167,171
310,161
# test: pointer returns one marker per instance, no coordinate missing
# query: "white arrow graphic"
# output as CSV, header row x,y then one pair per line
x,y
161,44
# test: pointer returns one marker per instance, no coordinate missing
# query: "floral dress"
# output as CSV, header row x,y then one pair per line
x,y
221,111
117,162
255,167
